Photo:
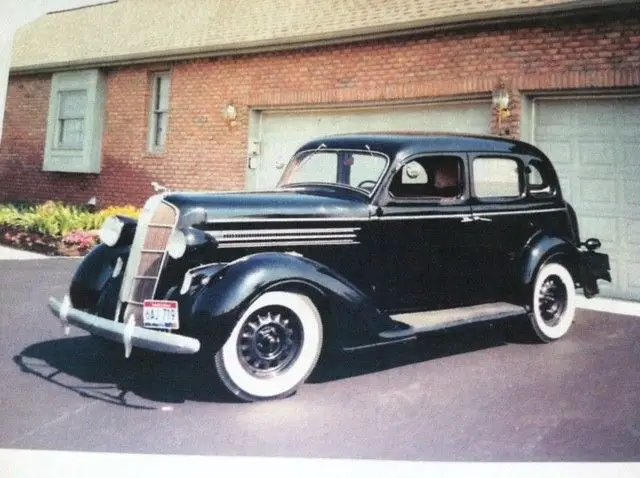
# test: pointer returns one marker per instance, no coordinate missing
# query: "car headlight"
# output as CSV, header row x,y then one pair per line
x,y
177,245
111,231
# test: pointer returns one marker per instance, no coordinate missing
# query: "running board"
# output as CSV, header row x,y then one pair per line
x,y
420,322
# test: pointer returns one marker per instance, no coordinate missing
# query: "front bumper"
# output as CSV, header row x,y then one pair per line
x,y
127,334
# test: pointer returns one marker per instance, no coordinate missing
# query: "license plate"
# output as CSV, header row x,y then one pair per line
x,y
160,314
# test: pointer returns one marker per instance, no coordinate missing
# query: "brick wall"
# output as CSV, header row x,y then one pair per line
x,y
204,153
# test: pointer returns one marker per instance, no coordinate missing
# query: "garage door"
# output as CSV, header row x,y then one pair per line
x,y
281,133
595,146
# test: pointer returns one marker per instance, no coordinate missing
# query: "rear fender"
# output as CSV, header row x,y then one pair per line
x,y
346,311
541,249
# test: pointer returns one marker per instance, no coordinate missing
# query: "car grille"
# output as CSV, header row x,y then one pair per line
x,y
148,255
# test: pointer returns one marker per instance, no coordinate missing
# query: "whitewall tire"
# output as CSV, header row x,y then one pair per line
x,y
273,348
554,302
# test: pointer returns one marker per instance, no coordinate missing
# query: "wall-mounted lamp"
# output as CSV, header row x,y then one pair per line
x,y
500,99
229,114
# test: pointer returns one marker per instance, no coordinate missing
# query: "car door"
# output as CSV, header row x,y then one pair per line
x,y
424,234
504,219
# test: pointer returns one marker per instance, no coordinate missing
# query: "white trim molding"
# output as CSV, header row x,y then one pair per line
x,y
85,155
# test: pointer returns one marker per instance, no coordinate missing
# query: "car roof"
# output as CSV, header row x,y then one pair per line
x,y
398,145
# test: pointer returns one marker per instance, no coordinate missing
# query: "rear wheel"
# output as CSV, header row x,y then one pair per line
x,y
273,348
553,302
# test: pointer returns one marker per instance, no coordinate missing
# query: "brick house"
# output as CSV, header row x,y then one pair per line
x,y
216,95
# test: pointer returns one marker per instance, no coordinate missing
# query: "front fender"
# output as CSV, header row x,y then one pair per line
x,y
93,280
347,312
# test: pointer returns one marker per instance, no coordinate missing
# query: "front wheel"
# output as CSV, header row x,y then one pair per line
x,y
273,348
554,302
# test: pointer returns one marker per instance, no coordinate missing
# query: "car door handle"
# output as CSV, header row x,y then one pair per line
x,y
480,218
467,219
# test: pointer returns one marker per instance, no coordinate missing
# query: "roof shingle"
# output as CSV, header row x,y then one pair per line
x,y
137,30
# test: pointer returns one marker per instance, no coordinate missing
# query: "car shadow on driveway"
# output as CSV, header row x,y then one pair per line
x,y
430,346
100,371
94,370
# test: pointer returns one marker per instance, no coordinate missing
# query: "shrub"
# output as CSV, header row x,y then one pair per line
x,y
58,220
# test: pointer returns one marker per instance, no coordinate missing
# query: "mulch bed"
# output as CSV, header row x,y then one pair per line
x,y
40,243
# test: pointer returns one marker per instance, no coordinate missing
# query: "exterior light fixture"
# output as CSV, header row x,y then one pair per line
x,y
500,100
229,113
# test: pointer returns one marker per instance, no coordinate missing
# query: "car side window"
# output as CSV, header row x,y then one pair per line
x,y
496,177
428,177
538,183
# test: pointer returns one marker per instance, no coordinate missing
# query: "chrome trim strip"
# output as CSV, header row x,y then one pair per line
x,y
380,344
153,224
507,213
254,232
432,216
284,238
284,219
330,242
461,215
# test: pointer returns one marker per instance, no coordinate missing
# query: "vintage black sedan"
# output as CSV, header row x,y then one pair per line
x,y
367,240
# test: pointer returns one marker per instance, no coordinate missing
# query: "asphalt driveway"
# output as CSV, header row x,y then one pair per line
x,y
463,395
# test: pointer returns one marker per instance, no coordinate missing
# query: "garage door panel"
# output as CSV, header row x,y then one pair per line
x,y
633,234
594,144
566,186
596,153
597,194
629,157
631,194
627,113
558,150
633,277
604,228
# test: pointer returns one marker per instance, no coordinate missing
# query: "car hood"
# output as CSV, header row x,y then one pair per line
x,y
286,204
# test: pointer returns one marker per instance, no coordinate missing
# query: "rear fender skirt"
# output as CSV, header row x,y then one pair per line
x,y
93,276
346,310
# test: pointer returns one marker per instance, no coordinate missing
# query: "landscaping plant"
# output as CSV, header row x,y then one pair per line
x,y
56,228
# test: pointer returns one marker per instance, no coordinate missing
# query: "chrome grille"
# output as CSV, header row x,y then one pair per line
x,y
148,254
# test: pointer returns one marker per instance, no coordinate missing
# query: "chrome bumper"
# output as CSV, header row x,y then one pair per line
x,y
127,334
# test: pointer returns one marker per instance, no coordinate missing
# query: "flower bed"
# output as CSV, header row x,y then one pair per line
x,y
54,228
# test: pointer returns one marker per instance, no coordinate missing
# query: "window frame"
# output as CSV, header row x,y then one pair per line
x,y
522,184
546,174
461,198
155,111
84,157
57,142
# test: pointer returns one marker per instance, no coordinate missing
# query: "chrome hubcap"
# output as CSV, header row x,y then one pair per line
x,y
270,341
553,300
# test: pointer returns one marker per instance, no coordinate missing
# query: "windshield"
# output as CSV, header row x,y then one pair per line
x,y
357,169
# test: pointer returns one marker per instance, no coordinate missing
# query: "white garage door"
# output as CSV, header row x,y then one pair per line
x,y
281,133
595,146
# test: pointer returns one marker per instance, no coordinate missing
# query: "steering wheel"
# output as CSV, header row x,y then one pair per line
x,y
371,184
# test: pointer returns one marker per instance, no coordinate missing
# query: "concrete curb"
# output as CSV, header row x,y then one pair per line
x,y
9,253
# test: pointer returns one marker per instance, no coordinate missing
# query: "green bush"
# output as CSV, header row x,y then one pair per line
x,y
57,219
